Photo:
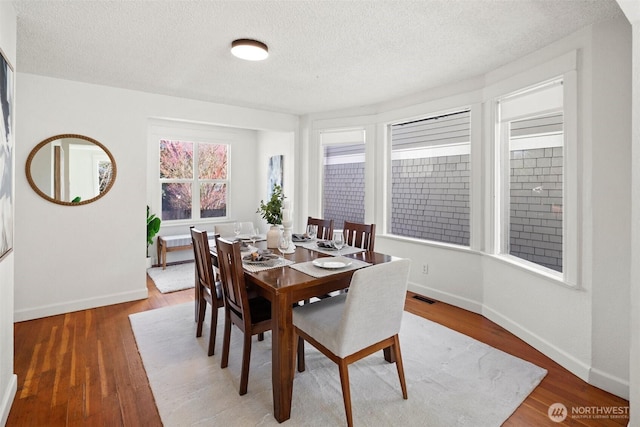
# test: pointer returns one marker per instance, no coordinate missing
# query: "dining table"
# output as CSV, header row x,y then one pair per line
x,y
285,285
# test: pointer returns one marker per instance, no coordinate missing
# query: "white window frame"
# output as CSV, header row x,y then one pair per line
x,y
195,181
453,149
563,68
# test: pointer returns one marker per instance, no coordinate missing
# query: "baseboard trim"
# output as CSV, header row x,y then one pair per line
x,y
81,304
465,303
595,377
7,399
566,360
610,383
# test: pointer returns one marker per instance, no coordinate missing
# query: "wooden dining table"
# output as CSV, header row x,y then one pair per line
x,y
285,286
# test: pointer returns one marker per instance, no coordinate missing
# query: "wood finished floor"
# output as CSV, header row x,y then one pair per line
x,y
83,368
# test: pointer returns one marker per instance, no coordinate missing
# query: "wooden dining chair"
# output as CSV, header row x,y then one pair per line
x,y
351,326
208,290
251,315
360,235
325,227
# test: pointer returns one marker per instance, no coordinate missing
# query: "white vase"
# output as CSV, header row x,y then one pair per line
x,y
273,236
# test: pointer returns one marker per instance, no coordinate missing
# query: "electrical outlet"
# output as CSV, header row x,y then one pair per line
x,y
425,268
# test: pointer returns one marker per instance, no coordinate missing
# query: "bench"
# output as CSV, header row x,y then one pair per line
x,y
180,242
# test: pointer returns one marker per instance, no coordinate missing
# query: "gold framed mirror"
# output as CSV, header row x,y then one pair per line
x,y
71,169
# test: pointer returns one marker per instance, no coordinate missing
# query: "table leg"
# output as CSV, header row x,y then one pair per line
x,y
282,356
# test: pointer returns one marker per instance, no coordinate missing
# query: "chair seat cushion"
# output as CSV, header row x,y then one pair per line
x,y
322,320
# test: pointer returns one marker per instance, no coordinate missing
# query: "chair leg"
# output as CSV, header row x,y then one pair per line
x,y
399,366
301,364
346,393
261,336
246,358
202,309
224,362
212,332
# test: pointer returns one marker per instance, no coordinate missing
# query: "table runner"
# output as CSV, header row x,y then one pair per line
x,y
275,263
313,246
314,271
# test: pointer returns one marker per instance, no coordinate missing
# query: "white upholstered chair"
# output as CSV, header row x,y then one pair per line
x,y
226,230
348,327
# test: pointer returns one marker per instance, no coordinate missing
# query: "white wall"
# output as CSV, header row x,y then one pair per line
x,y
72,258
8,380
577,327
275,144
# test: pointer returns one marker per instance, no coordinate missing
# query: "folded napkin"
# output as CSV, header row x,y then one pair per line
x,y
300,237
325,244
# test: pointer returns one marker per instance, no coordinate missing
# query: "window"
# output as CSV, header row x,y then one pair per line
x,y
343,184
430,178
532,175
194,179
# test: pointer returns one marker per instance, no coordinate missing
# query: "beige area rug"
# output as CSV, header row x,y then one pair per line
x,y
174,277
452,379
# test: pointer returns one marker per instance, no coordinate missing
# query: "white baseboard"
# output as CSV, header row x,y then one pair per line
x,y
7,399
595,377
566,360
610,383
82,304
465,303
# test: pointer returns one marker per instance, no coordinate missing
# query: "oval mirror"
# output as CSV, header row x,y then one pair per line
x,y
71,169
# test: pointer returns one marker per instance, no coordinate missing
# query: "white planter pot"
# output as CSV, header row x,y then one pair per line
x,y
149,262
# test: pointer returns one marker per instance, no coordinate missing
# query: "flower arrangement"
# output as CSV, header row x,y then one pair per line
x,y
272,210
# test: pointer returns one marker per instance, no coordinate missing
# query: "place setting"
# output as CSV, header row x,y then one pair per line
x,y
256,259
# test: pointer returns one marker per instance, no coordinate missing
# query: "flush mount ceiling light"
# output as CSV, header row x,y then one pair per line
x,y
251,50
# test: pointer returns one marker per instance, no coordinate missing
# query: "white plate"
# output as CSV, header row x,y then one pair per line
x,y
331,263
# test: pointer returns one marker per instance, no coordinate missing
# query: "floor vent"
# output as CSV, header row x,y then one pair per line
x,y
424,299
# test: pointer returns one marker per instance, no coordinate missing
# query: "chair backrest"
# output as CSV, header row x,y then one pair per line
x,y
374,306
202,255
226,230
232,278
325,227
360,235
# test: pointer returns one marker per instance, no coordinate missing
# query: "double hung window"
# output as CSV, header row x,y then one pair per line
x,y
531,145
344,176
194,179
430,178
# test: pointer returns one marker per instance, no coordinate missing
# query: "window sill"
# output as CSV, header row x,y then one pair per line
x,y
430,243
533,269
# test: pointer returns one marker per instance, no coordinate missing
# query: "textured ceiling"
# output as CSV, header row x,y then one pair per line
x,y
324,55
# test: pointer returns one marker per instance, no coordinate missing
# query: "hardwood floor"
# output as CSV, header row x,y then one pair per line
x,y
83,368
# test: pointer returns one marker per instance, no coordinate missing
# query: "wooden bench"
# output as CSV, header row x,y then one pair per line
x,y
180,242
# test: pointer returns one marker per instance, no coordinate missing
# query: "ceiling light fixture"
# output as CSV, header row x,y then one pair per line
x,y
251,50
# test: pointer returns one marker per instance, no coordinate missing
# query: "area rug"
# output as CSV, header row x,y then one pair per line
x,y
452,380
174,277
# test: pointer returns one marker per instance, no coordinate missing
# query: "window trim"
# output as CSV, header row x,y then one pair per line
x,y
563,68
195,181
473,111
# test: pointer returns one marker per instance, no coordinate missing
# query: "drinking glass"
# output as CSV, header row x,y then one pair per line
x,y
338,240
312,231
283,244
237,227
255,234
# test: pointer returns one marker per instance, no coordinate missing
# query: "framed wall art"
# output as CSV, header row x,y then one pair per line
x,y
275,173
6,156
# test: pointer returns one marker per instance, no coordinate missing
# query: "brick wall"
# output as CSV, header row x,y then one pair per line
x,y
430,198
536,206
344,193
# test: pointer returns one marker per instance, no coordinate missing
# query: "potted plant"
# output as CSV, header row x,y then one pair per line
x,y
153,226
272,213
